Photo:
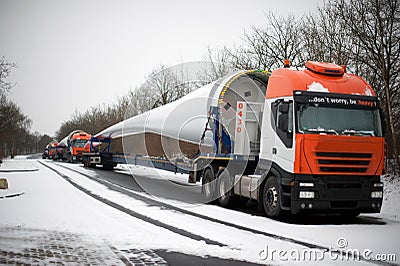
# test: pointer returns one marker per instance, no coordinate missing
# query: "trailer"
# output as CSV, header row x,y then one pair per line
x,y
306,140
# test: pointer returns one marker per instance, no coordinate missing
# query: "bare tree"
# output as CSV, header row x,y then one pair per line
x,y
375,25
326,37
5,70
265,47
7,108
14,126
218,65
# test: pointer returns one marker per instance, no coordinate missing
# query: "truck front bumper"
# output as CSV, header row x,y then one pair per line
x,y
328,195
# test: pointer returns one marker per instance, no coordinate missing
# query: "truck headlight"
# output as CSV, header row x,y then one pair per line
x,y
376,194
307,195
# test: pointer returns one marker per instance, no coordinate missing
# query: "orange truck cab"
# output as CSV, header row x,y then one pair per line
x,y
76,142
52,149
322,142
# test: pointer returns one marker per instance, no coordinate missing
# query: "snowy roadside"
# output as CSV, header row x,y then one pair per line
x,y
51,203
19,164
391,198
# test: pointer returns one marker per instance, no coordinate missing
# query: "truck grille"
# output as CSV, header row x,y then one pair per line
x,y
343,162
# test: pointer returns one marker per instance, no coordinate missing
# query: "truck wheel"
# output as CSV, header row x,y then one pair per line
x,y
208,188
271,197
225,185
226,196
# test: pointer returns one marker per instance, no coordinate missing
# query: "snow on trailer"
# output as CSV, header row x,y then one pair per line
x,y
273,138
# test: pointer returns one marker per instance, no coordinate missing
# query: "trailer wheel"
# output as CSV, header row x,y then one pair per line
x,y
224,187
208,188
271,197
225,184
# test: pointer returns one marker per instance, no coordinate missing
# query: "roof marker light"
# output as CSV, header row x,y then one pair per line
x,y
286,63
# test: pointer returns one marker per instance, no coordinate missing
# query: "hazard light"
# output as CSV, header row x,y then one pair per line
x,y
286,63
325,68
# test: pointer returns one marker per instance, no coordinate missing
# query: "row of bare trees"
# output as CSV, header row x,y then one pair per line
x,y
15,136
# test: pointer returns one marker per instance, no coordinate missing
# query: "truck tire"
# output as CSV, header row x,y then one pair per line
x,y
208,185
225,185
226,196
271,197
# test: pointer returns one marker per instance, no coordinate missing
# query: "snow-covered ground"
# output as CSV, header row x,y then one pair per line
x,y
391,197
51,203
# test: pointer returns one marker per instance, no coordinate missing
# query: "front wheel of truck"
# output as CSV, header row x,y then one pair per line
x,y
271,197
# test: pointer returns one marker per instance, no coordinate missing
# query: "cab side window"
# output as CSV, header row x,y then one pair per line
x,y
282,121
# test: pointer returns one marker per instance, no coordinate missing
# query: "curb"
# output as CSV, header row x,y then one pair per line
x,y
18,170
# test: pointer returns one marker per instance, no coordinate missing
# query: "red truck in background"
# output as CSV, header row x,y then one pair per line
x,y
76,141
69,148
52,147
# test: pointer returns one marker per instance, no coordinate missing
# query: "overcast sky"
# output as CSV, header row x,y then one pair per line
x,y
72,55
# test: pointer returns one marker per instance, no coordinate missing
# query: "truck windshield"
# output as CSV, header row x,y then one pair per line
x,y
79,143
338,121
